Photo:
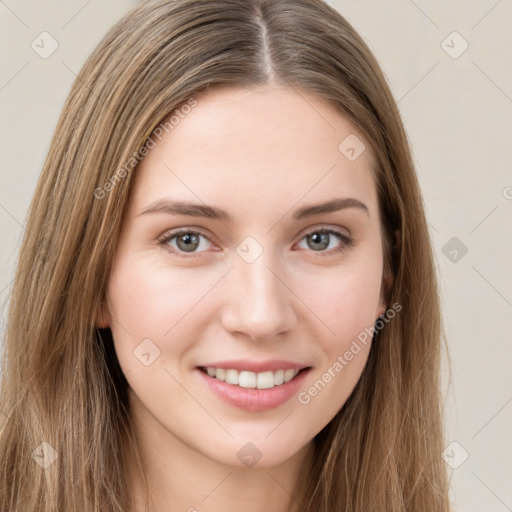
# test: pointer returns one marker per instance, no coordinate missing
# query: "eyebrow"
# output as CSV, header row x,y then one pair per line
x,y
202,210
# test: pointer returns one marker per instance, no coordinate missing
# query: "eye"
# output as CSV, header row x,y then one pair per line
x,y
325,238
185,241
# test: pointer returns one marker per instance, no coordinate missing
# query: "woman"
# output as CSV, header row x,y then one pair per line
x,y
226,296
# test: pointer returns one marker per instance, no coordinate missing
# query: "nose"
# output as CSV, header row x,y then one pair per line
x,y
257,300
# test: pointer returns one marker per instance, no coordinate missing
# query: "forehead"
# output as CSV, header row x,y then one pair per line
x,y
240,146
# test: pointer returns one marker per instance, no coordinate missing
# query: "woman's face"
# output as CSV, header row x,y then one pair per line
x,y
227,260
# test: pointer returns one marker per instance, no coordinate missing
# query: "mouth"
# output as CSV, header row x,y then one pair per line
x,y
254,391
253,380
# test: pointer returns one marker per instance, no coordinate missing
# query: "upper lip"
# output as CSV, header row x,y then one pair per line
x,y
256,366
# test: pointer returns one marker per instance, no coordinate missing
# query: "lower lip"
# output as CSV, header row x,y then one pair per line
x,y
252,399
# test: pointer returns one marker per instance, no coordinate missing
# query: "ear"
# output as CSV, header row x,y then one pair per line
x,y
387,275
104,320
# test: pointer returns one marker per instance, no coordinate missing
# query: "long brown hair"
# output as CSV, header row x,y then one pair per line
x,y
61,382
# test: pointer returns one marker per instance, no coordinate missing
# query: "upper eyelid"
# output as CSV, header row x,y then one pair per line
x,y
178,231
325,227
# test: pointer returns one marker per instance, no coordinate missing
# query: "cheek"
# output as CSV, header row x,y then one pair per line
x,y
346,301
148,303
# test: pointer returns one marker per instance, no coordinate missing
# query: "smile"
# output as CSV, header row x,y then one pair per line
x,y
248,379
254,386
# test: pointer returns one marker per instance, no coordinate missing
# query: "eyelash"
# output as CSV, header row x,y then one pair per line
x,y
347,241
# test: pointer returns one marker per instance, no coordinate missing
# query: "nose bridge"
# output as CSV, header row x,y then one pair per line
x,y
258,302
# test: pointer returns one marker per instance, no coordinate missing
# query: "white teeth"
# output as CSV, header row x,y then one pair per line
x,y
288,375
232,376
265,380
246,379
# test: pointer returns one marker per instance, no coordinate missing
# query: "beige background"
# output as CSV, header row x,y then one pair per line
x,y
458,114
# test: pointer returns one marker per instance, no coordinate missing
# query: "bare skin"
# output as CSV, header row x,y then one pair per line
x,y
260,155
